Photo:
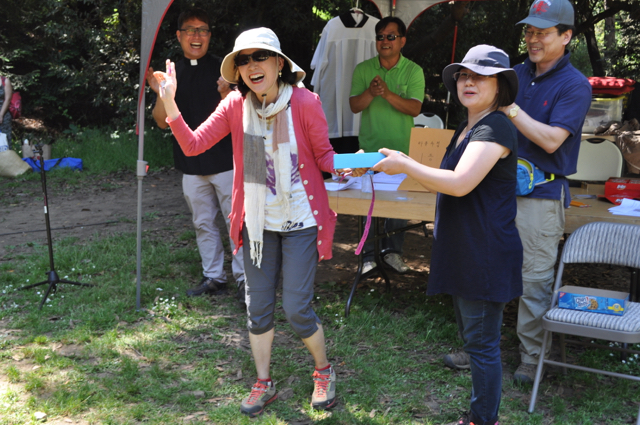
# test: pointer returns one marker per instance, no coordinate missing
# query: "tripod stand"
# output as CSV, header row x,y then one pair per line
x,y
52,276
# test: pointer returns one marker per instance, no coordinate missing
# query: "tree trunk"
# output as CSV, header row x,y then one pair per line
x,y
594,53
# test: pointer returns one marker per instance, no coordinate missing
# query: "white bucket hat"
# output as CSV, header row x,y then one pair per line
x,y
257,38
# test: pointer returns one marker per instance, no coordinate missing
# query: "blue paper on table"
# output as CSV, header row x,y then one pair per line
x,y
356,160
75,163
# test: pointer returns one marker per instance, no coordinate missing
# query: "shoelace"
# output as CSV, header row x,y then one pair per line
x,y
322,383
256,392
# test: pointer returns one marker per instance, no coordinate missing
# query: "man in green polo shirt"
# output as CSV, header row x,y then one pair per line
x,y
388,90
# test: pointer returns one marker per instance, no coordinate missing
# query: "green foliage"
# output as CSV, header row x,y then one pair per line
x,y
76,62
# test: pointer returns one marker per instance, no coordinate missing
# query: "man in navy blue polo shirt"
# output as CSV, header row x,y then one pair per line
x,y
549,111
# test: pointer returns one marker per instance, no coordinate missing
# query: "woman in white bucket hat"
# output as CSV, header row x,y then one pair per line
x,y
280,207
477,253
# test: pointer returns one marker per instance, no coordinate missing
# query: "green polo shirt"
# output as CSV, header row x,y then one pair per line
x,y
382,126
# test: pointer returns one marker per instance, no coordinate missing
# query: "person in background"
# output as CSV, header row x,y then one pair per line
x,y
477,253
224,88
549,112
280,210
208,177
388,89
6,91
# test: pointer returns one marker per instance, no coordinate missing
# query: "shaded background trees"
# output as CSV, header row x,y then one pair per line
x,y
76,62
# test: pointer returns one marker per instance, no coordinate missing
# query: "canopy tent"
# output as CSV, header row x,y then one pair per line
x,y
407,10
153,12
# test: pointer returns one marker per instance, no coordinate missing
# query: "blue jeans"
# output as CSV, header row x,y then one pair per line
x,y
392,243
479,323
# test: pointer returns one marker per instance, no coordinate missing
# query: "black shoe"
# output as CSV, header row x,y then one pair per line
x,y
208,286
241,294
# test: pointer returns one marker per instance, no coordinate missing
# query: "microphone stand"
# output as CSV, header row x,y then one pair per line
x,y
52,277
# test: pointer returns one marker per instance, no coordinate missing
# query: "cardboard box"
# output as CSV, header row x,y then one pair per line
x,y
616,189
593,300
427,146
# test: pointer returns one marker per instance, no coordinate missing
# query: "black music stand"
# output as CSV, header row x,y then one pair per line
x,y
52,276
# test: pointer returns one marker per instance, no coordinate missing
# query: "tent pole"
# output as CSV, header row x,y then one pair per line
x,y
141,172
453,59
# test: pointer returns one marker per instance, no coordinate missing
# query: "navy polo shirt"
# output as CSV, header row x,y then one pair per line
x,y
561,98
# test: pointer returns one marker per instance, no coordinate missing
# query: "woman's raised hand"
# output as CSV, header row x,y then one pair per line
x,y
167,81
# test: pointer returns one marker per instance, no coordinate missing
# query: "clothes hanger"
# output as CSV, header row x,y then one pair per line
x,y
357,9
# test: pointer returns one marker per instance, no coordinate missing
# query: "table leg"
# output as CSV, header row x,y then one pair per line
x,y
358,273
376,253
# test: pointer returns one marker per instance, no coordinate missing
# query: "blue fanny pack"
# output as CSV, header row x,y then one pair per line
x,y
529,176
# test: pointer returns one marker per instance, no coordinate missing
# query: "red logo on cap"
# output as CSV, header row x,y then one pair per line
x,y
540,7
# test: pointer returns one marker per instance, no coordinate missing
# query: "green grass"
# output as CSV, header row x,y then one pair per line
x,y
90,354
103,151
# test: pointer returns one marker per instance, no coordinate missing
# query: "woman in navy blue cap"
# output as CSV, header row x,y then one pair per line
x,y
477,253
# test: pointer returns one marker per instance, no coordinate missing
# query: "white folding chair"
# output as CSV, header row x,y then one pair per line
x,y
598,160
594,243
428,120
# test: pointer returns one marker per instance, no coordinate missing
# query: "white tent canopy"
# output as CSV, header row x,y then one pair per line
x,y
407,10
153,12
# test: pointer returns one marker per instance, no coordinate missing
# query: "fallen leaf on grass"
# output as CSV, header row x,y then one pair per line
x,y
285,394
189,418
218,399
238,376
372,414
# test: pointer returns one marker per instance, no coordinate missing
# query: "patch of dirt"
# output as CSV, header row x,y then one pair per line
x,y
100,207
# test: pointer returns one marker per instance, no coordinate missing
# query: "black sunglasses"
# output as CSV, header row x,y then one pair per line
x,y
257,56
390,37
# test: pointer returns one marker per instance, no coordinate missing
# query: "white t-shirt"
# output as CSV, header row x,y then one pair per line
x,y
301,216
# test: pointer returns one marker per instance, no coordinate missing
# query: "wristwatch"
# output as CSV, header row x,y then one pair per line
x,y
513,112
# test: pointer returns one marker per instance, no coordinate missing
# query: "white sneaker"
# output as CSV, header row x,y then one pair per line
x,y
368,266
396,262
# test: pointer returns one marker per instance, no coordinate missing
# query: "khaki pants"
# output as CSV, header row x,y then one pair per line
x,y
540,223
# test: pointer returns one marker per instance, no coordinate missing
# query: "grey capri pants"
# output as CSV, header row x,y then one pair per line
x,y
296,255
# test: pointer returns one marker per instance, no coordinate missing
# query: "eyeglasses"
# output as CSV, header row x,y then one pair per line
x,y
465,76
539,35
257,56
193,31
390,37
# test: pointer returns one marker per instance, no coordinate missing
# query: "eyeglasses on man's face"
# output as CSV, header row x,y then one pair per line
x,y
537,34
257,56
466,76
390,37
193,31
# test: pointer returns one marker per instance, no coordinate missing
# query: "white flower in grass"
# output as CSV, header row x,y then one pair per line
x,y
158,289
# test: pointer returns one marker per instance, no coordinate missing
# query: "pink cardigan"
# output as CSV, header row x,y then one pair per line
x,y
314,151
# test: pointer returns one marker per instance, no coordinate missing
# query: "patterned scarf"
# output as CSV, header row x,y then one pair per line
x,y
255,168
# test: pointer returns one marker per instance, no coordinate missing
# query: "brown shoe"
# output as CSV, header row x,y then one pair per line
x,y
459,360
525,373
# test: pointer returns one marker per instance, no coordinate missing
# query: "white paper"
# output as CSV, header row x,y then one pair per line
x,y
627,207
381,181
347,183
